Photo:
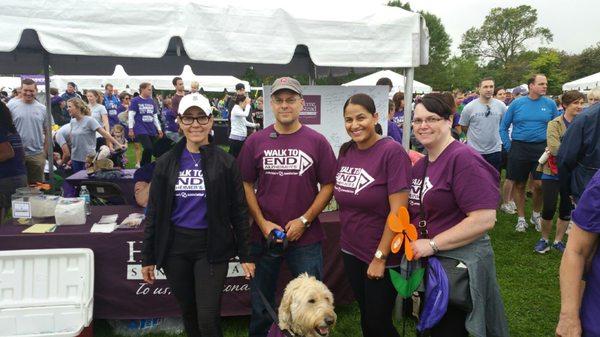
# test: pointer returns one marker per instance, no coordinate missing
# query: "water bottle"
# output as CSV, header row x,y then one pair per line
x,y
85,194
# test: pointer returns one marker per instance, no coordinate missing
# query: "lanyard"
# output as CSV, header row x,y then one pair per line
x,y
423,233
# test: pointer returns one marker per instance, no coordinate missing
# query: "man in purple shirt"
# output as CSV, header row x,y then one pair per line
x,y
289,161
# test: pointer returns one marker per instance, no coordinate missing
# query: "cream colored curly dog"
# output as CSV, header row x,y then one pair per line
x,y
306,308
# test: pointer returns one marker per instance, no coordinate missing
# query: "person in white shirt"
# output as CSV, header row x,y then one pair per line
x,y
238,133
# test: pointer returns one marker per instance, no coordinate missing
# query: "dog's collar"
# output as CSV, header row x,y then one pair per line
x,y
289,333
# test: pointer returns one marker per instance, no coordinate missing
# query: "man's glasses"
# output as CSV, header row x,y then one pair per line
x,y
428,121
289,101
188,120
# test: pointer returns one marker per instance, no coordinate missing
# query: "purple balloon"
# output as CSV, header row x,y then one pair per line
x,y
436,295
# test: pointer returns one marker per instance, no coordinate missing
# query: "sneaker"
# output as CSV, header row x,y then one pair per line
x,y
559,246
541,246
521,226
507,208
513,205
137,165
537,221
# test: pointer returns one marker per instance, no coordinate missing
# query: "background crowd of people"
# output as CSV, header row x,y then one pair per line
x,y
549,147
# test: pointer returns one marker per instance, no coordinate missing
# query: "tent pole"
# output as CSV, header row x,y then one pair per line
x,y
312,73
408,98
49,118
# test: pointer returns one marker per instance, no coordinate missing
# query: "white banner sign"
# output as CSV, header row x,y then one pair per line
x,y
323,109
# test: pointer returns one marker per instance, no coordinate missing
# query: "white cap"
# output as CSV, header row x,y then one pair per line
x,y
196,100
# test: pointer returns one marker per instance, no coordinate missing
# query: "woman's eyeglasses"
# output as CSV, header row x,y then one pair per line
x,y
188,120
428,121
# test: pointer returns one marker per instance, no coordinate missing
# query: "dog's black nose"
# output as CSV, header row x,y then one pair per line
x,y
329,320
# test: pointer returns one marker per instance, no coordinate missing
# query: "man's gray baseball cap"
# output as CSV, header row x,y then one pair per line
x,y
286,83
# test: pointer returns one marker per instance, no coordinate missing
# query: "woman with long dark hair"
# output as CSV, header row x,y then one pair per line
x,y
13,173
372,180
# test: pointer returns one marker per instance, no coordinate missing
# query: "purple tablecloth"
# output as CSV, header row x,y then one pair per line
x,y
72,183
120,292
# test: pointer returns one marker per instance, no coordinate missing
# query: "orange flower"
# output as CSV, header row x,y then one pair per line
x,y
406,232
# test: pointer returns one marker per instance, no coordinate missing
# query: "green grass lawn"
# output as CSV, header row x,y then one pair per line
x,y
528,282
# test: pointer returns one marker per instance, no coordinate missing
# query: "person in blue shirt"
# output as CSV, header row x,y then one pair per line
x,y
529,116
111,103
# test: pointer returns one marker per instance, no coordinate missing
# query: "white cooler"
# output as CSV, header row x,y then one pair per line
x,y
46,292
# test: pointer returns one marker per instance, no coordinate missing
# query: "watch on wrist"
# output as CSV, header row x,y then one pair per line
x,y
305,221
379,255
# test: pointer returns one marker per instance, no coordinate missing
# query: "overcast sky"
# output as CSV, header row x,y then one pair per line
x,y
574,23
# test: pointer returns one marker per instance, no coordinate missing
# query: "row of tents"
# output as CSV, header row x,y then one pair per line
x,y
121,80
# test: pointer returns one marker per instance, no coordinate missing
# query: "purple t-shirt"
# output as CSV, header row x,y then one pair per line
x,y
169,117
364,181
398,118
394,132
288,168
459,181
189,203
587,216
145,109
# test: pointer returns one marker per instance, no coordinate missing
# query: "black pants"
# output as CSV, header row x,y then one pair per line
x,y
235,146
550,191
196,284
99,142
452,324
147,142
375,298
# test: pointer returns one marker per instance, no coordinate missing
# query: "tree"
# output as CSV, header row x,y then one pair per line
x,y
435,73
548,63
398,3
463,73
584,64
503,34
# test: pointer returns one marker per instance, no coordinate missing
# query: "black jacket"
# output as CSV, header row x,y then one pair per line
x,y
579,152
227,212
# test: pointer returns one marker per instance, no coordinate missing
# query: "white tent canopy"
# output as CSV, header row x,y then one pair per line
x,y
397,80
120,80
214,38
202,32
8,82
583,84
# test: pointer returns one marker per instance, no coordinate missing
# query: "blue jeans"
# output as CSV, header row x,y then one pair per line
x,y
303,259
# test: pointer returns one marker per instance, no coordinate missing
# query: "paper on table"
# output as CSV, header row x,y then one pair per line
x,y
103,227
41,228
133,220
107,219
